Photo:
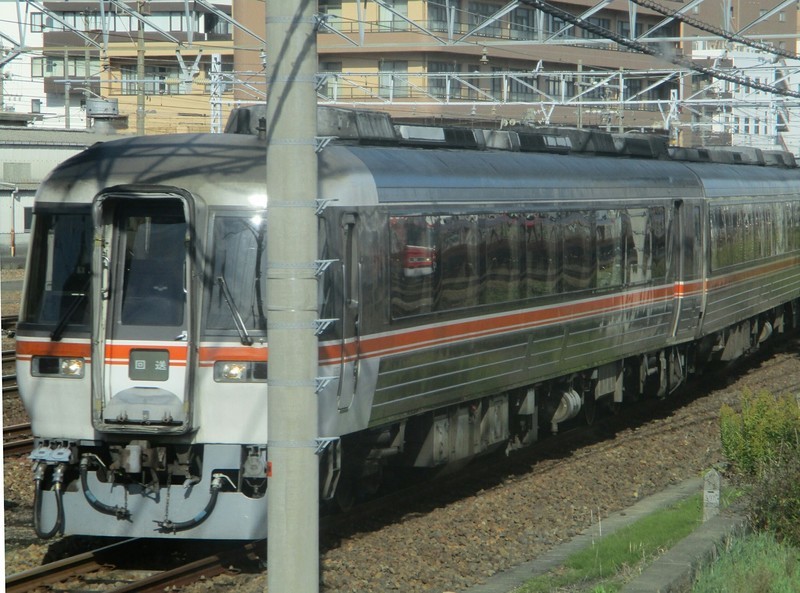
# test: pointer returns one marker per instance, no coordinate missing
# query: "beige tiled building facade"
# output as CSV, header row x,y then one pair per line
x,y
420,60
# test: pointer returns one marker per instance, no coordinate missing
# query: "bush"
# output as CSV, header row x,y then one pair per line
x,y
775,499
763,444
767,428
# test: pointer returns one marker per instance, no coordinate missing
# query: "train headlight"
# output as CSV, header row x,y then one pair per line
x,y
72,367
240,372
55,366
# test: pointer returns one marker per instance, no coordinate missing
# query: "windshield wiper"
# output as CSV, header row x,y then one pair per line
x,y
237,317
55,335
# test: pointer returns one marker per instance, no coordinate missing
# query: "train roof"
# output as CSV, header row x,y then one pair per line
x,y
220,169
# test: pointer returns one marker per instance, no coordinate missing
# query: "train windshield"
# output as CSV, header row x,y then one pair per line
x,y
60,270
153,279
236,303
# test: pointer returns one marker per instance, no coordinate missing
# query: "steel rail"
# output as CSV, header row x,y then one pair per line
x,y
9,383
20,442
54,572
207,567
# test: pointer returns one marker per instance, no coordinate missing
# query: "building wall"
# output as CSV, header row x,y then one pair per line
x,y
41,74
23,93
27,155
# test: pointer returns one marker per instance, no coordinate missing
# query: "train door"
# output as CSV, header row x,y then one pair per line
x,y
352,307
688,257
143,327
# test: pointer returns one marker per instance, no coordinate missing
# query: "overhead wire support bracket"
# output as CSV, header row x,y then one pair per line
x,y
548,8
320,325
320,142
323,203
323,265
679,15
322,383
324,442
322,23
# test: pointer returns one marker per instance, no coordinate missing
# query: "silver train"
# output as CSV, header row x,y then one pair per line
x,y
485,286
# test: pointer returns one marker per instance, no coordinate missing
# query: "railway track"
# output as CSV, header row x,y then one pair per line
x,y
17,439
10,383
104,569
9,325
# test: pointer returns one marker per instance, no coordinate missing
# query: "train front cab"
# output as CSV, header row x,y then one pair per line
x,y
117,289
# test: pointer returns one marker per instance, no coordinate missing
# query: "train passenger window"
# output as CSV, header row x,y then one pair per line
x,y
778,213
658,230
414,263
765,230
60,269
542,272
747,232
639,246
238,274
460,279
580,261
720,243
692,239
608,226
794,224
500,260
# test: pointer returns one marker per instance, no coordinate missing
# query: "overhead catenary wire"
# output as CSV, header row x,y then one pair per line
x,y
646,49
708,28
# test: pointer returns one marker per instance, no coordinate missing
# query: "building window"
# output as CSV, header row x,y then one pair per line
x,y
478,13
393,79
37,22
329,71
523,24
437,16
437,84
37,67
555,24
212,24
36,105
159,80
177,22
333,10
391,21
782,16
597,22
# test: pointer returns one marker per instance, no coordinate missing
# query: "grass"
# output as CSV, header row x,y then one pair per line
x,y
606,565
756,563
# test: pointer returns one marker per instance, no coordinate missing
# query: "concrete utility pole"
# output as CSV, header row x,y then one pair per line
x,y
293,474
140,105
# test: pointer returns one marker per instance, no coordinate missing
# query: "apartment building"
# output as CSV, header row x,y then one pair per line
x,y
153,74
478,60
420,60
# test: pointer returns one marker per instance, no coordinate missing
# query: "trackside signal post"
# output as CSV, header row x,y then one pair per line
x,y
293,491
